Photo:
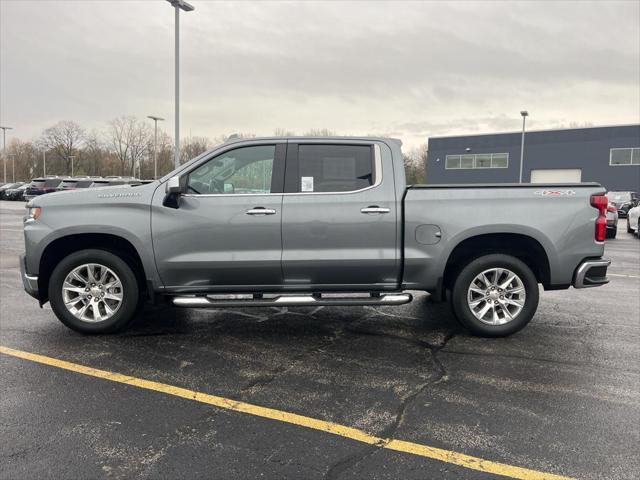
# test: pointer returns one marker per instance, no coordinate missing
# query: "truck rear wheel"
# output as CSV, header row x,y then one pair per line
x,y
94,291
495,295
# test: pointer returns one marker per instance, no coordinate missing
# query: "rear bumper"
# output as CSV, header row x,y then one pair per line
x,y
592,273
29,282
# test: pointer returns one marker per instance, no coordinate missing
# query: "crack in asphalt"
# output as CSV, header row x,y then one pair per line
x,y
338,468
264,380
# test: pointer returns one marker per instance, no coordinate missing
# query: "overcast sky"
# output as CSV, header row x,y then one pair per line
x,y
406,69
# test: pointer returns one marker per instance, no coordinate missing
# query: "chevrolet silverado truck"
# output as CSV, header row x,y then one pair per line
x,y
310,222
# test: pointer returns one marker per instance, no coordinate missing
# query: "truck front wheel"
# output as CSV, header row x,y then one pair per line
x,y
94,291
495,295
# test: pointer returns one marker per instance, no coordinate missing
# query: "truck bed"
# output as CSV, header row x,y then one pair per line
x,y
556,218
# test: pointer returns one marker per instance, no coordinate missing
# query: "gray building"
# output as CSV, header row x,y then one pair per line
x,y
608,155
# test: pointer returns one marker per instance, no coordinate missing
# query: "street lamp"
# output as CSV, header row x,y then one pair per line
x,y
4,150
178,5
524,114
155,145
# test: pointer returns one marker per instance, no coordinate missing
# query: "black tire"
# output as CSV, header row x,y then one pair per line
x,y
629,229
612,232
463,281
130,291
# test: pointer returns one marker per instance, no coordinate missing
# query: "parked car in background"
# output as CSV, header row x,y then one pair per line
x,y
40,186
16,193
633,219
612,221
623,201
73,183
114,181
8,186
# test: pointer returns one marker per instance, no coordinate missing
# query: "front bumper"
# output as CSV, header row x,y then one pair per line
x,y
592,273
29,282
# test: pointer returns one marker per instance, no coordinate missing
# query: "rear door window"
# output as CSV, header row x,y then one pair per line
x,y
334,168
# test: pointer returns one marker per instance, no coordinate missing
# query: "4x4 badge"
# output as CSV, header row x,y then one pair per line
x,y
555,193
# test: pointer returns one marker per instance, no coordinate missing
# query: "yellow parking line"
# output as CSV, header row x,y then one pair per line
x,y
440,454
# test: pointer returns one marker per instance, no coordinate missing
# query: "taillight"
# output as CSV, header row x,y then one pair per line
x,y
611,209
600,202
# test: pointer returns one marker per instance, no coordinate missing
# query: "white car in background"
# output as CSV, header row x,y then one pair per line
x,y
633,217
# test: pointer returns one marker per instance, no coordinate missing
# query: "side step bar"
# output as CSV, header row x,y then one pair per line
x,y
291,300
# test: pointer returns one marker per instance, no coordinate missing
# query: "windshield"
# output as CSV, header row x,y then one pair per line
x,y
619,196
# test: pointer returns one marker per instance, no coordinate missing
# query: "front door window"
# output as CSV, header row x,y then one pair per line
x,y
240,171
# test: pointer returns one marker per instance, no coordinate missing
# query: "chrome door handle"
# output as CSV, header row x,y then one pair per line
x,y
374,209
261,211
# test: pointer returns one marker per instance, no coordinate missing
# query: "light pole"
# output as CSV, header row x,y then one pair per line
x,y
4,150
178,5
524,114
72,157
44,163
155,144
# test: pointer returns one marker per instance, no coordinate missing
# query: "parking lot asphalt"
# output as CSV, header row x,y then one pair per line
x,y
562,396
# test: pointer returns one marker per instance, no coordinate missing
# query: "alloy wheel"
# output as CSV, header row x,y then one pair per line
x,y
496,296
92,292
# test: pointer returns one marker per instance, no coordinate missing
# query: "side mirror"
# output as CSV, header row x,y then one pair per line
x,y
173,186
173,190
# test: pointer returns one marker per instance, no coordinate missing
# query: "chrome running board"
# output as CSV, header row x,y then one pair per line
x,y
211,301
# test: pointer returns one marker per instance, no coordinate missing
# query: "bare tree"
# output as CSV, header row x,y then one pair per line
x,y
320,132
24,156
129,140
94,154
165,153
283,132
415,164
63,140
192,147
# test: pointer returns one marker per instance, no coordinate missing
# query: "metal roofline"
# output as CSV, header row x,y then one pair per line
x,y
519,132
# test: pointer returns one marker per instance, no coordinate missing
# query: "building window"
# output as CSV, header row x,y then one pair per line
x,y
479,160
452,162
624,156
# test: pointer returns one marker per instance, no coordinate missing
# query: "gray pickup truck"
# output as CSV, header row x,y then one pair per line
x,y
307,222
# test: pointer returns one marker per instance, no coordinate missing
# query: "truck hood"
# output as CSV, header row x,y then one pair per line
x,y
96,196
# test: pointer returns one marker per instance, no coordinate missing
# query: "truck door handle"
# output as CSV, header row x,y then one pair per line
x,y
260,211
374,209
